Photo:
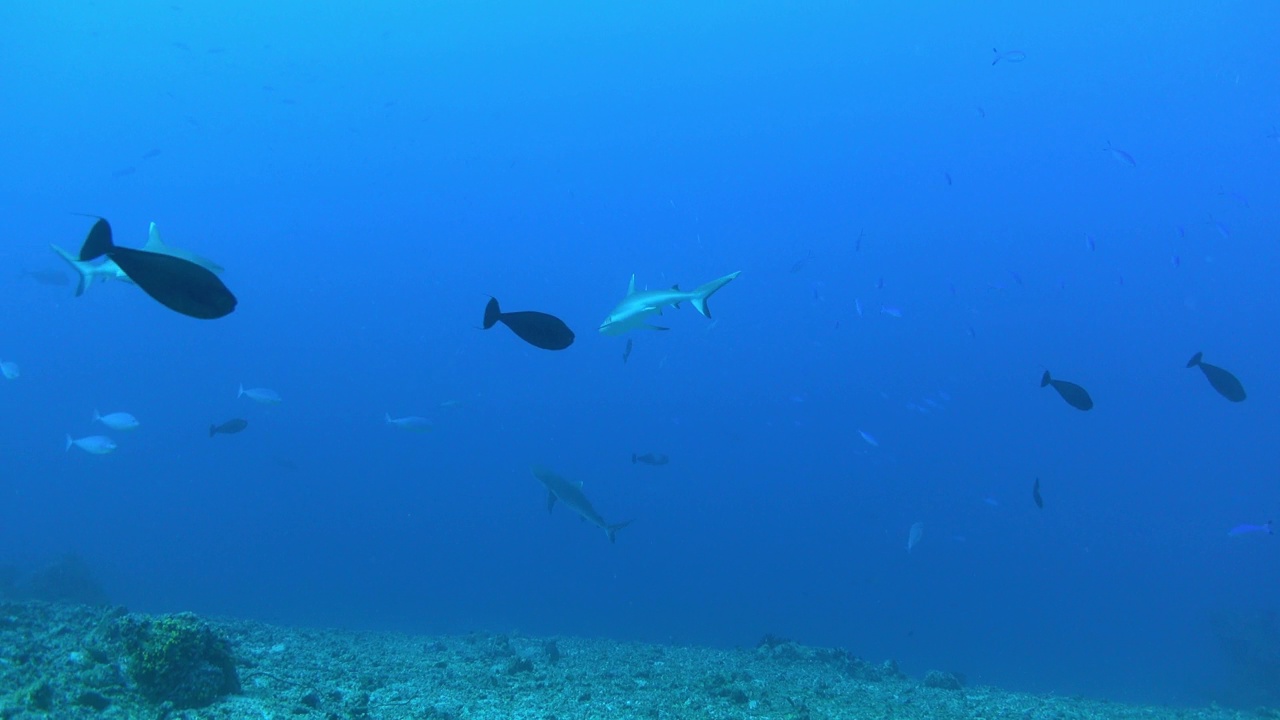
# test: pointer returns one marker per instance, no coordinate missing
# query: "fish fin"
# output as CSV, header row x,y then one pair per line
x,y
241,393
492,313
631,286
654,327
98,242
1045,379
154,243
1195,360
82,268
551,500
704,292
612,530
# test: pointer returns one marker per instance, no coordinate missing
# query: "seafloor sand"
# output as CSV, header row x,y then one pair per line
x,y
67,661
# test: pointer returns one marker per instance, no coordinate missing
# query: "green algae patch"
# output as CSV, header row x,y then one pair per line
x,y
178,659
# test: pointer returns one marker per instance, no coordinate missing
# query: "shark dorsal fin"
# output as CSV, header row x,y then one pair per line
x,y
154,243
631,286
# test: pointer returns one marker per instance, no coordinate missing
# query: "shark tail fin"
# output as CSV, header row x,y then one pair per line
x,y
612,530
98,242
83,269
704,292
1195,360
70,442
1045,379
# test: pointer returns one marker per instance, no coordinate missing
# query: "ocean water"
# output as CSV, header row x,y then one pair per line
x,y
921,234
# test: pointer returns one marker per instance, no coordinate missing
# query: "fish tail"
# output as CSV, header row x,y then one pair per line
x,y
70,442
704,292
213,430
612,530
81,268
98,242
1195,360
1045,379
492,313
240,394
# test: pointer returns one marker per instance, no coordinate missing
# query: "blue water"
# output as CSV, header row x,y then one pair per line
x,y
368,176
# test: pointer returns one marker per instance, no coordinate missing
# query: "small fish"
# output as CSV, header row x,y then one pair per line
x,y
857,244
1175,261
124,172
800,264
627,352
1223,231
230,427
266,396
914,535
410,423
1012,56
536,328
1227,385
869,438
981,113
947,175
93,444
650,459
1076,396
121,421
52,278
1089,242
1035,494
1120,155
152,153
1182,231
891,311
1265,528
10,370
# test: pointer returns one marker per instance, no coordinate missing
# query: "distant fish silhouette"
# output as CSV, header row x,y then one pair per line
x,y
1223,381
536,328
230,427
1012,56
650,459
627,352
1076,396
1120,155
1035,494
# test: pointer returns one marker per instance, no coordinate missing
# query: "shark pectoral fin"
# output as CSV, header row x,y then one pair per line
x,y
551,500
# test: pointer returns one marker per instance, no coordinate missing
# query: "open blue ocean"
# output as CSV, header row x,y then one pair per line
x,y
930,205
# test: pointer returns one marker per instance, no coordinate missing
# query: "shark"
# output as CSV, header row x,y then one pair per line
x,y
90,271
570,493
631,313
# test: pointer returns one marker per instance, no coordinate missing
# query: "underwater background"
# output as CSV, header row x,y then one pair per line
x,y
921,232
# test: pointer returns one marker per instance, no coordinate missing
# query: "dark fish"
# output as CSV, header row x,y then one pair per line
x,y
536,328
627,353
56,278
1012,56
649,459
799,265
152,153
1224,382
947,175
1076,396
230,427
1035,494
180,285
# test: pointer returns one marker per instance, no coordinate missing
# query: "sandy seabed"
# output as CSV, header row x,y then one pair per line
x,y
72,661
